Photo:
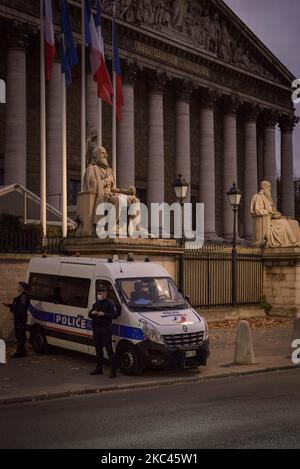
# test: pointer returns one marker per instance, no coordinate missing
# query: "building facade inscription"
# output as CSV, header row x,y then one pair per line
x,y
170,59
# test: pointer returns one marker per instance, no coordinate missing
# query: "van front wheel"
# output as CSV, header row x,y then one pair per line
x,y
39,341
129,360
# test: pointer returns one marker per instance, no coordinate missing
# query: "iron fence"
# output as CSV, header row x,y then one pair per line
x,y
29,242
208,276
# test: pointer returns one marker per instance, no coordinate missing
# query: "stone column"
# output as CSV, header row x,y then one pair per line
x,y
270,121
91,101
16,116
231,108
251,177
207,189
156,162
54,138
125,134
287,124
183,132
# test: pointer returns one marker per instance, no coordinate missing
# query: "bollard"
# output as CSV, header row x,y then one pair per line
x,y
244,353
296,329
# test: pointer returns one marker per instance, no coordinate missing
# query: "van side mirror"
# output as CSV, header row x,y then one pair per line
x,y
188,298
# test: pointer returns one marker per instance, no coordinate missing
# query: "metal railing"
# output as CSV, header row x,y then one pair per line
x,y
208,276
28,242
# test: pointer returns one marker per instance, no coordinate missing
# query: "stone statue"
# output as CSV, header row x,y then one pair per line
x,y
91,144
205,30
215,33
179,14
280,231
225,49
127,10
99,179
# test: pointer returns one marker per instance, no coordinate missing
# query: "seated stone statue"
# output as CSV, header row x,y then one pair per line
x,y
99,179
279,231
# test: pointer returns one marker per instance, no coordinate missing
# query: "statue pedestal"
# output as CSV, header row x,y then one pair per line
x,y
281,280
85,209
162,251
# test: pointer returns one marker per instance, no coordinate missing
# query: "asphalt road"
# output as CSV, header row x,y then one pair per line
x,y
259,411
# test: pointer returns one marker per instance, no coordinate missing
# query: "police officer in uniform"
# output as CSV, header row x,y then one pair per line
x,y
102,315
19,309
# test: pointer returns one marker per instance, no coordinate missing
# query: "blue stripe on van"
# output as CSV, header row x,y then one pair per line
x,y
125,332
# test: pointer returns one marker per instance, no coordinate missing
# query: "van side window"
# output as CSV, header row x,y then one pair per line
x,y
55,289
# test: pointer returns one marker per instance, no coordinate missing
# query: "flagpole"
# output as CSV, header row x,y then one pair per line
x,y
100,138
114,114
43,127
83,91
64,159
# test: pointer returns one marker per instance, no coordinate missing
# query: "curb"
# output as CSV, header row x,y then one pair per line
x,y
45,396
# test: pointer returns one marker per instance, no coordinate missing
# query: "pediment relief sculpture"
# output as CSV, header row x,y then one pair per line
x,y
200,25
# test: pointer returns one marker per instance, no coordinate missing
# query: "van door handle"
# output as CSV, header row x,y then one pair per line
x,y
80,316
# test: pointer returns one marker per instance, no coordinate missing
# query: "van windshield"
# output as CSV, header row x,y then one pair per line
x,y
149,293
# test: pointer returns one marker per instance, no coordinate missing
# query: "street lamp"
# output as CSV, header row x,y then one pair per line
x,y
181,189
234,196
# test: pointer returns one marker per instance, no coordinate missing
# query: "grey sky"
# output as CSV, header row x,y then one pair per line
x,y
277,24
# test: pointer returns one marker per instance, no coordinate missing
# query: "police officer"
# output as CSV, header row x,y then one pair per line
x,y
19,308
102,314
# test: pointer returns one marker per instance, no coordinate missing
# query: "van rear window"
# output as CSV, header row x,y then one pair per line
x,y
69,291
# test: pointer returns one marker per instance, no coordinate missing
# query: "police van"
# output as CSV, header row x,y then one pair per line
x,y
156,326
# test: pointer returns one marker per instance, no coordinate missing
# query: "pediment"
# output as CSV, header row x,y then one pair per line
x,y
210,27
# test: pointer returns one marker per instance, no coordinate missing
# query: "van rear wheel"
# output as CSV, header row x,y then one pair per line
x,y
39,341
129,360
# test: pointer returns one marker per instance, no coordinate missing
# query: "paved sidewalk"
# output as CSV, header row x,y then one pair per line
x,y
65,373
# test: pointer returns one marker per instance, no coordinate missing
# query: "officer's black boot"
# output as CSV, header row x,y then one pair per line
x,y
97,371
19,354
113,373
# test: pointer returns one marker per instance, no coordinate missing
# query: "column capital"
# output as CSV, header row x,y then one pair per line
x,y
19,35
130,69
270,118
287,123
209,97
157,81
231,103
184,90
252,111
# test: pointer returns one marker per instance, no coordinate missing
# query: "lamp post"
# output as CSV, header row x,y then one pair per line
x,y
234,196
181,188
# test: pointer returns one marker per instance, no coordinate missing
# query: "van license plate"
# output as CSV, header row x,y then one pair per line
x,y
191,353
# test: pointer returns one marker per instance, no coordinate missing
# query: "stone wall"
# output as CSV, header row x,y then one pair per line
x,y
282,280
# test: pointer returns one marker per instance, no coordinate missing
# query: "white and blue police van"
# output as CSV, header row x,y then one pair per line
x,y
156,327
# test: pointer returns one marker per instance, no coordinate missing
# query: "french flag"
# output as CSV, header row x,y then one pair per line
x,y
99,69
117,72
50,48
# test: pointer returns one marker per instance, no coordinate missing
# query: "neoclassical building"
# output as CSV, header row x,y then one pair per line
x,y
203,97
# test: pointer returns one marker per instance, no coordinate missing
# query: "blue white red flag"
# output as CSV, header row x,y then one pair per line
x,y
94,40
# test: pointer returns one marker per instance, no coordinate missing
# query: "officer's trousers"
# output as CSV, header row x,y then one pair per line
x,y
20,333
103,339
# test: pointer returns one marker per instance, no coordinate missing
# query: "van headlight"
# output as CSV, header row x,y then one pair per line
x,y
205,337
206,334
150,332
